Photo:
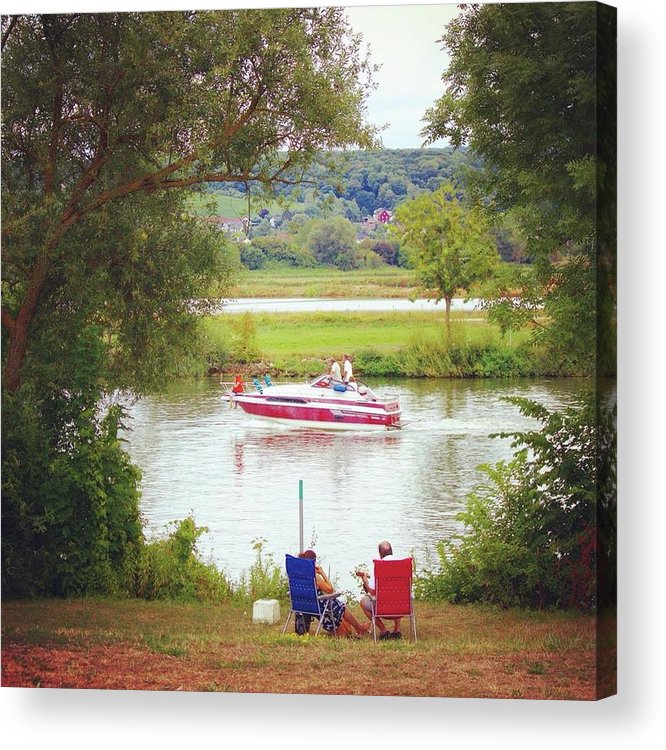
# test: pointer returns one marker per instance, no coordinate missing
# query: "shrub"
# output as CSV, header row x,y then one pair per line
x,y
425,358
70,496
373,364
387,251
252,257
265,580
170,568
279,250
333,242
244,348
530,532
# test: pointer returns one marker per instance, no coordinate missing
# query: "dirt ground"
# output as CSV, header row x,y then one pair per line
x,y
461,652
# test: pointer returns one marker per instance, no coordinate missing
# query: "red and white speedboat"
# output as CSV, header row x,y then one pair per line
x,y
323,403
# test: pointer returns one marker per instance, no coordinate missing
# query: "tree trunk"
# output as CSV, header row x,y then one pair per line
x,y
447,301
20,328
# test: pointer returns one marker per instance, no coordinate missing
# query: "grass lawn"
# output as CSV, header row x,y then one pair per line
x,y
287,338
373,283
233,207
462,651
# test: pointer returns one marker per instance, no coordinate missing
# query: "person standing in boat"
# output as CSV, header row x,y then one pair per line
x,y
348,373
335,369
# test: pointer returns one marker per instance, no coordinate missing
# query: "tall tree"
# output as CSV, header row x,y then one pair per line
x,y
107,121
98,108
333,242
451,247
530,88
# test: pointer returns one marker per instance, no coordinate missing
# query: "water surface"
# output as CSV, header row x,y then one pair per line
x,y
238,475
326,304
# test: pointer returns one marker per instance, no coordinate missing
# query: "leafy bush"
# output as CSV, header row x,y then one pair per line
x,y
252,257
372,363
170,568
245,348
387,251
280,250
466,360
333,242
265,580
531,532
496,361
427,359
70,497
368,258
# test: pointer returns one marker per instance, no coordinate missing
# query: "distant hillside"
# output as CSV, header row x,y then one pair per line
x,y
354,184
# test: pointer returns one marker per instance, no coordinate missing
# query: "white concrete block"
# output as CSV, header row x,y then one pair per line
x,y
266,611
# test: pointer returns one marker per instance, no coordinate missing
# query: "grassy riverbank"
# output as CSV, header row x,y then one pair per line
x,y
401,344
469,651
383,344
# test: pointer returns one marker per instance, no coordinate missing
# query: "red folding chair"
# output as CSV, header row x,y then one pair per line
x,y
393,593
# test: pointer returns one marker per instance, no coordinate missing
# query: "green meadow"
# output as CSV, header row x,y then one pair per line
x,y
366,283
413,344
217,204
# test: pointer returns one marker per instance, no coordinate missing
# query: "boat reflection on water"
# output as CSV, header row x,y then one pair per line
x,y
324,449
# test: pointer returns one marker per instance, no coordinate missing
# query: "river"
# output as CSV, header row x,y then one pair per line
x,y
239,475
327,304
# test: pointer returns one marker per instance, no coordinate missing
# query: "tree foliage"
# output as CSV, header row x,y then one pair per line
x,y
361,182
107,121
451,246
530,89
100,107
70,497
333,242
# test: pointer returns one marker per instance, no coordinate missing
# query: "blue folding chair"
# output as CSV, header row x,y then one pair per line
x,y
303,591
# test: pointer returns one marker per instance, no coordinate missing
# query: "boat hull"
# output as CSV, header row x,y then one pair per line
x,y
306,424
323,404
322,416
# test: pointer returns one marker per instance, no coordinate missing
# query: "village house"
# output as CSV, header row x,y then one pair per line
x,y
233,226
380,216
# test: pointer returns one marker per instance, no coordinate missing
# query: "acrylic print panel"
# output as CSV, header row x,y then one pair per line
x,y
203,210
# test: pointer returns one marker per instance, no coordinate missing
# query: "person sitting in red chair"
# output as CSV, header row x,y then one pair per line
x,y
385,553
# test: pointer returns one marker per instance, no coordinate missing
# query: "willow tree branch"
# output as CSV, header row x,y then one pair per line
x,y
9,30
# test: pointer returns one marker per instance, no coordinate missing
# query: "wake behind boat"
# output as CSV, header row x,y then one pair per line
x,y
323,403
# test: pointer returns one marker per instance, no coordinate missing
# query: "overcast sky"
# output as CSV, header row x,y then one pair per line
x,y
403,40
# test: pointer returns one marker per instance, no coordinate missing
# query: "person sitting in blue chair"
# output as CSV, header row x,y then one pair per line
x,y
339,620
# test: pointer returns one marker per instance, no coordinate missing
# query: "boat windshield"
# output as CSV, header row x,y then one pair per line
x,y
327,381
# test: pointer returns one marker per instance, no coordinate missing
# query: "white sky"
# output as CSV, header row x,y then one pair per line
x,y
403,39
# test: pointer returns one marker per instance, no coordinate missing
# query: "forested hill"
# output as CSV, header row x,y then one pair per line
x,y
357,183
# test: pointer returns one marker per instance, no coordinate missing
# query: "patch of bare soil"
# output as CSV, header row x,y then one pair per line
x,y
125,667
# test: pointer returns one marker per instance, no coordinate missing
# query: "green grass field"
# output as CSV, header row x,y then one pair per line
x,y
372,283
216,204
300,343
332,334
